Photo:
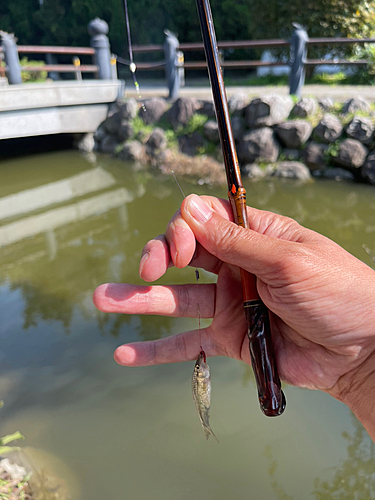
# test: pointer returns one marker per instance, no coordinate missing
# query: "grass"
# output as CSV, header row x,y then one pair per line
x,y
195,124
340,78
139,126
272,80
329,79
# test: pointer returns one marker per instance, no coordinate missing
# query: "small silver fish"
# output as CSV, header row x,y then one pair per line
x,y
201,385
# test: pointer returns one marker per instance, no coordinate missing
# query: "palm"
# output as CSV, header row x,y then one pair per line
x,y
228,333
302,343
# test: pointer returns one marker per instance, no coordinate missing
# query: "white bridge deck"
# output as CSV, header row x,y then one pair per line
x,y
55,107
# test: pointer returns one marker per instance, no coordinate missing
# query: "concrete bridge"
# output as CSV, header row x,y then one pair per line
x,y
59,107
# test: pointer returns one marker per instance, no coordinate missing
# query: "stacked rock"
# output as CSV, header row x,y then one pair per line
x,y
274,134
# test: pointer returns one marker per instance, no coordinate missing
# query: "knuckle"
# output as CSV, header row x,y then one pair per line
x,y
183,301
282,227
181,346
228,238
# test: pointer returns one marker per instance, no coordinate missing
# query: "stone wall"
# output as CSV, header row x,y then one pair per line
x,y
275,136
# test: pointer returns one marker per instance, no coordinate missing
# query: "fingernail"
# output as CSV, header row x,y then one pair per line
x,y
142,262
199,210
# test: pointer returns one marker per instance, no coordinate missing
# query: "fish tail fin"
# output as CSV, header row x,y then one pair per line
x,y
209,432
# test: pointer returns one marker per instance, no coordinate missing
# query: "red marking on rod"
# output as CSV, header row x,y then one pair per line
x,y
233,189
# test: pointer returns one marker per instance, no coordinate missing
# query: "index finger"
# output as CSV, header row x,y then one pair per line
x,y
181,238
178,246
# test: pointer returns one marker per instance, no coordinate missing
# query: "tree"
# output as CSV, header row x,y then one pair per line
x,y
64,22
321,18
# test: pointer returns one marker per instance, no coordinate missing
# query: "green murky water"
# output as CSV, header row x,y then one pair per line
x,y
70,222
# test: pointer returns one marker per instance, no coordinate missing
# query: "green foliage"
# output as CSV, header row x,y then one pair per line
x,y
332,150
119,148
337,107
195,124
8,439
32,76
264,165
172,141
324,18
366,75
329,79
64,22
140,127
295,98
274,80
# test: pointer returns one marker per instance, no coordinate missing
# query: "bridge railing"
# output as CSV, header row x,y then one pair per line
x,y
175,65
103,64
53,67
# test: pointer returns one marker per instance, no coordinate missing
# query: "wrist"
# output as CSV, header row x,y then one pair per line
x,y
356,389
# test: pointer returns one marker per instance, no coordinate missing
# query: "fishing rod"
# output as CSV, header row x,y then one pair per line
x,y
271,397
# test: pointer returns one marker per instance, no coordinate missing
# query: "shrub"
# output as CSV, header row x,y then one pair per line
x,y
366,75
33,76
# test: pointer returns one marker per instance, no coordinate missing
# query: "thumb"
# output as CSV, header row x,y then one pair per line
x,y
257,253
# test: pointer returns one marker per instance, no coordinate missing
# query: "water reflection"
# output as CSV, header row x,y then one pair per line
x,y
353,479
272,469
51,220
61,191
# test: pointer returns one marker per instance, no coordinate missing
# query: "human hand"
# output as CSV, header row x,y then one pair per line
x,y
320,297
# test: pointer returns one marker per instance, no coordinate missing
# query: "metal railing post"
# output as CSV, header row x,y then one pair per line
x,y
13,68
98,30
171,45
52,60
298,53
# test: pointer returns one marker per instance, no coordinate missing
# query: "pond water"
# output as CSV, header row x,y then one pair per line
x,y
69,222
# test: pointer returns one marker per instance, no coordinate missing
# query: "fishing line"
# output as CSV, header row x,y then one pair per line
x,y
368,251
178,184
196,278
199,317
132,66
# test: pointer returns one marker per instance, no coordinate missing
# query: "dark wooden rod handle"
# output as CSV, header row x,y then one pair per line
x,y
271,397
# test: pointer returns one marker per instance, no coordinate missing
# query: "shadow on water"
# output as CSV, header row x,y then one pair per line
x,y
14,148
